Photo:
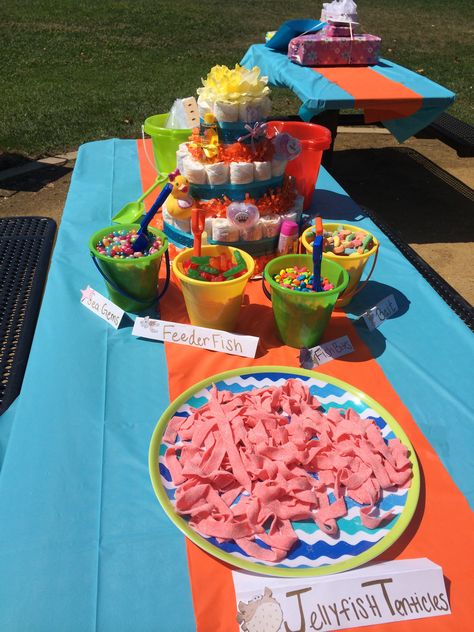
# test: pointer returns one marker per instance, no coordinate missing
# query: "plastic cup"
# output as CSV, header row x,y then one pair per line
x,y
302,317
165,141
135,280
305,168
214,305
354,265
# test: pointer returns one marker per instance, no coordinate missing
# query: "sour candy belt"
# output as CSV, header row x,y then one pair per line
x,y
215,269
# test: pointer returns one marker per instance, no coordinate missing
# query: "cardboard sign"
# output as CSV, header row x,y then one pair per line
x,y
372,595
201,337
325,352
378,314
102,307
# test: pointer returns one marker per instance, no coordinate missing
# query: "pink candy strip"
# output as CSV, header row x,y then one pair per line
x,y
275,449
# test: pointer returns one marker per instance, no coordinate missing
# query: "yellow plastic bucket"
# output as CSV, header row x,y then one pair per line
x,y
354,264
213,305
165,141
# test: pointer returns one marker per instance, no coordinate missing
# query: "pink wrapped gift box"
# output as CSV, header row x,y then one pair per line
x,y
334,30
321,49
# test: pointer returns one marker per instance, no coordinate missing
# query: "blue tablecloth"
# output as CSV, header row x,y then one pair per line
x,y
84,545
318,93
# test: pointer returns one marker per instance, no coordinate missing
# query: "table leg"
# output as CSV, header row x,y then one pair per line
x,y
329,119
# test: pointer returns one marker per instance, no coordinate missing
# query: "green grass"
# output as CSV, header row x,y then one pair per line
x,y
74,71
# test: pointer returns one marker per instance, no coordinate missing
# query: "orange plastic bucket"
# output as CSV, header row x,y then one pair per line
x,y
305,168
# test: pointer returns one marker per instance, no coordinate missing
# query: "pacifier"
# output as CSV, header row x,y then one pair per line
x,y
243,214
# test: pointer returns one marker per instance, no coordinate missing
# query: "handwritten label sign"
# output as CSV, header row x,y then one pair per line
x,y
102,307
325,352
378,314
376,594
201,337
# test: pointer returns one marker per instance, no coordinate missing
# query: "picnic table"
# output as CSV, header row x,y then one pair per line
x,y
405,102
84,544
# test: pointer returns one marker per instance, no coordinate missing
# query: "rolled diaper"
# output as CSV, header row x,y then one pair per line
x,y
226,112
194,171
263,170
208,225
241,172
255,110
266,106
250,111
167,218
181,224
223,230
254,233
270,225
217,173
181,155
204,108
278,167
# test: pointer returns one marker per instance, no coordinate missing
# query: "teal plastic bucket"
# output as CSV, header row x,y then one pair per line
x,y
165,142
132,284
302,317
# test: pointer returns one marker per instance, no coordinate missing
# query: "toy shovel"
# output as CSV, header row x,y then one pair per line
x,y
317,256
197,225
132,211
141,242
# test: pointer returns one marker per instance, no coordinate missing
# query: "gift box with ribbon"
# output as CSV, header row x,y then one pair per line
x,y
321,49
338,43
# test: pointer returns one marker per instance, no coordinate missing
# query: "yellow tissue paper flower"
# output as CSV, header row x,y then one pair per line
x,y
233,85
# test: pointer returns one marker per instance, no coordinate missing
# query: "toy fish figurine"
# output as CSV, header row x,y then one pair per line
x,y
180,203
286,147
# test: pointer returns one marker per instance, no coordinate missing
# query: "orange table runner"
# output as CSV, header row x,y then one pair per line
x,y
381,98
443,524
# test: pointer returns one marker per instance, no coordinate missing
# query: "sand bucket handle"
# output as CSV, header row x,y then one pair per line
x,y
265,291
362,285
162,176
123,293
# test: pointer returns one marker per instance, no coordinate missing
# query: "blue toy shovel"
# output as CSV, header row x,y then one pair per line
x,y
141,242
317,257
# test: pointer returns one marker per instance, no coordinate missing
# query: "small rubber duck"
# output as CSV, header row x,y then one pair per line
x,y
179,203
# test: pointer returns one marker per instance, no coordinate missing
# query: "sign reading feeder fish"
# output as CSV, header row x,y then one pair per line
x,y
376,594
200,337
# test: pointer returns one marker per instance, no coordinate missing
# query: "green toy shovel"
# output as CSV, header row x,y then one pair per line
x,y
132,211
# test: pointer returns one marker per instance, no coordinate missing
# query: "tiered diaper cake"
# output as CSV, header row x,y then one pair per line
x,y
232,169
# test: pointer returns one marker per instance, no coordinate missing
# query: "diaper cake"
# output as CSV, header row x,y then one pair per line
x,y
232,169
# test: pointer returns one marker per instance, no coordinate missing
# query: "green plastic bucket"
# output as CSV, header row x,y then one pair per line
x,y
165,142
302,317
132,284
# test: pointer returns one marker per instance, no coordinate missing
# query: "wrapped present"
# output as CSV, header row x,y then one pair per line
x,y
320,49
334,30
